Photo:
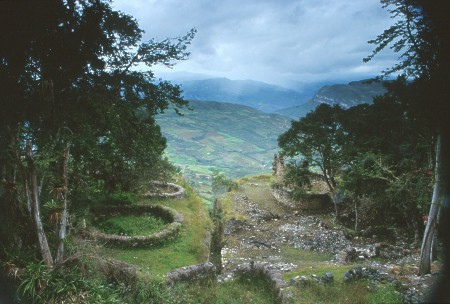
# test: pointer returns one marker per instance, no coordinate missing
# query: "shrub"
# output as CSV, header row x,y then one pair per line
x,y
64,285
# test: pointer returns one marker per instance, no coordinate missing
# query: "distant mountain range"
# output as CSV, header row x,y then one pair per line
x,y
259,95
275,99
345,95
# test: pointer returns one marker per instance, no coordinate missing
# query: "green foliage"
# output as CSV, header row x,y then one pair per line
x,y
298,178
83,95
118,198
318,137
385,294
345,293
381,153
151,291
411,36
241,290
66,284
222,184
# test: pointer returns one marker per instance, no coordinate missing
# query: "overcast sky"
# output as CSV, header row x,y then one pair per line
x,y
275,41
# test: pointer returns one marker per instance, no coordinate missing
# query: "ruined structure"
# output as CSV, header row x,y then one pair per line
x,y
278,166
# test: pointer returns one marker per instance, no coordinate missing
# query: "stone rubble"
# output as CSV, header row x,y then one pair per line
x,y
260,236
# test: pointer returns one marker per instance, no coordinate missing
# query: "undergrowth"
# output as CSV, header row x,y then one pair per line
x,y
339,292
241,290
64,285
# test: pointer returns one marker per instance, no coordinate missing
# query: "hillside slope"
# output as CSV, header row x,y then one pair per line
x,y
345,95
233,139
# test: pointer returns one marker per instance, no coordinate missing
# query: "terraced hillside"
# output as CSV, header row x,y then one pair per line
x,y
233,139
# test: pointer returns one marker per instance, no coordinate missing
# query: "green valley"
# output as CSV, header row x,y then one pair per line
x,y
232,139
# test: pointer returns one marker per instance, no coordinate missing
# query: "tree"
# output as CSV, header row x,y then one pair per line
x,y
221,184
422,33
388,155
74,109
318,138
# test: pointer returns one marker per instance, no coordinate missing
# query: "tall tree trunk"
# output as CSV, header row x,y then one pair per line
x,y
36,212
63,224
337,196
425,252
441,290
23,173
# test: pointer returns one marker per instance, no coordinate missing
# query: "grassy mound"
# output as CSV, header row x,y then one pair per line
x,y
131,225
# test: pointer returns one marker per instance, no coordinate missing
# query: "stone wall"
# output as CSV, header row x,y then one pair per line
x,y
273,278
310,202
193,273
178,191
167,233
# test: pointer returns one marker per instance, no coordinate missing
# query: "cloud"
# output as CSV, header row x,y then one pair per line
x,y
276,41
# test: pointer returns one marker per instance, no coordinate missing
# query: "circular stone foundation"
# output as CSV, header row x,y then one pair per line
x,y
168,215
165,190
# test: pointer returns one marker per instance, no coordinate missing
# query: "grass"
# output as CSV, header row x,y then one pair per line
x,y
385,294
242,290
226,203
355,293
339,292
132,225
305,257
310,267
187,248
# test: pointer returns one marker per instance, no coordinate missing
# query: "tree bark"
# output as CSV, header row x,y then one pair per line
x,y
63,224
23,174
441,290
425,252
35,208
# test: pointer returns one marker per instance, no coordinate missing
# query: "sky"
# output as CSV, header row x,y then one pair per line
x,y
283,42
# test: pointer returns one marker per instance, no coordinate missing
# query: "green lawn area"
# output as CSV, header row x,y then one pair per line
x,y
188,248
131,225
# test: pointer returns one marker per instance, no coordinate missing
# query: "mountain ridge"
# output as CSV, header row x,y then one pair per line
x,y
259,95
344,95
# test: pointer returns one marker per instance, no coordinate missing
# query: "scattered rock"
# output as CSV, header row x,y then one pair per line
x,y
264,233
328,277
